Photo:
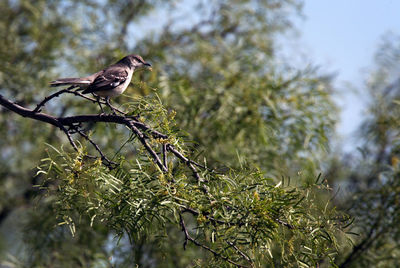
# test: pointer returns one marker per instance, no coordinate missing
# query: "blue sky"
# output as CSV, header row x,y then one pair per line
x,y
342,36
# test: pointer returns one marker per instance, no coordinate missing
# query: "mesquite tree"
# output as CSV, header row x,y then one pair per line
x,y
239,216
219,163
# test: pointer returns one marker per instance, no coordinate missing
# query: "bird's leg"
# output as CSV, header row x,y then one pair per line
x,y
98,102
107,99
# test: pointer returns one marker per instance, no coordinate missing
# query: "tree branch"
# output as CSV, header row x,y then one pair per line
x,y
52,96
72,125
142,139
194,241
110,164
136,127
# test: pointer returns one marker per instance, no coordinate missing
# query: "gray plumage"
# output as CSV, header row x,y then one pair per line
x,y
109,82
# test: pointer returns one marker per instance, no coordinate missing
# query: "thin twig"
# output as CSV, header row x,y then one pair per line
x,y
52,96
153,132
194,241
153,154
244,255
77,93
164,154
284,224
70,90
110,118
110,164
186,161
71,141
196,213
201,166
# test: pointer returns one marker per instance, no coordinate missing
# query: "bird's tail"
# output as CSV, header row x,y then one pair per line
x,y
81,82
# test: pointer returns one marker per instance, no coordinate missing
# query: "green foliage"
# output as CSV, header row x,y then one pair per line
x,y
235,97
258,115
379,230
233,213
224,99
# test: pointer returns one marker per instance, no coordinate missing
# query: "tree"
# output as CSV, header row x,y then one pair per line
x,y
373,176
248,121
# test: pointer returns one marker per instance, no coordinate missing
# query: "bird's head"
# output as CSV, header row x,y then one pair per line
x,y
137,62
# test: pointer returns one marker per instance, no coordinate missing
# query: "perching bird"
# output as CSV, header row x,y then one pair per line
x,y
109,82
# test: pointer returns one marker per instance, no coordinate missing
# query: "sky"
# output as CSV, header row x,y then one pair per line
x,y
342,36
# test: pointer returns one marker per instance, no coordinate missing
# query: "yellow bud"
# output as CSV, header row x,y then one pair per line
x,y
201,218
256,195
394,160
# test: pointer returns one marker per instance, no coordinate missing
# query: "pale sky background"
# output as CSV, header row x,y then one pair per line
x,y
342,36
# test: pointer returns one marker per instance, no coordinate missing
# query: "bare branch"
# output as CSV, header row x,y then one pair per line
x,y
284,224
196,213
185,160
62,122
194,241
244,255
142,139
69,137
52,96
110,164
70,90
164,153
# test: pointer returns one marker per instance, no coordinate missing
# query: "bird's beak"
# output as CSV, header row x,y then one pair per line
x,y
148,65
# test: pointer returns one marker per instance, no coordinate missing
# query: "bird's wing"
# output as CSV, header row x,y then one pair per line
x,y
108,79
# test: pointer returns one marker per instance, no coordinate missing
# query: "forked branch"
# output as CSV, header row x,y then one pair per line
x,y
71,125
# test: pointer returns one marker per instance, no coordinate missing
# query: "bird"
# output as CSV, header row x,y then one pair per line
x,y
109,82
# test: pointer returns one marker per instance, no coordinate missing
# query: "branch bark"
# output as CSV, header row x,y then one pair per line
x,y
71,124
188,237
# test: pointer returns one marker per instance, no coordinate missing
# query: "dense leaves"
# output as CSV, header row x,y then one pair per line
x,y
241,216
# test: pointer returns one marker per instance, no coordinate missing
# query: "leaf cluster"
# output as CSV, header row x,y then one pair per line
x,y
238,215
